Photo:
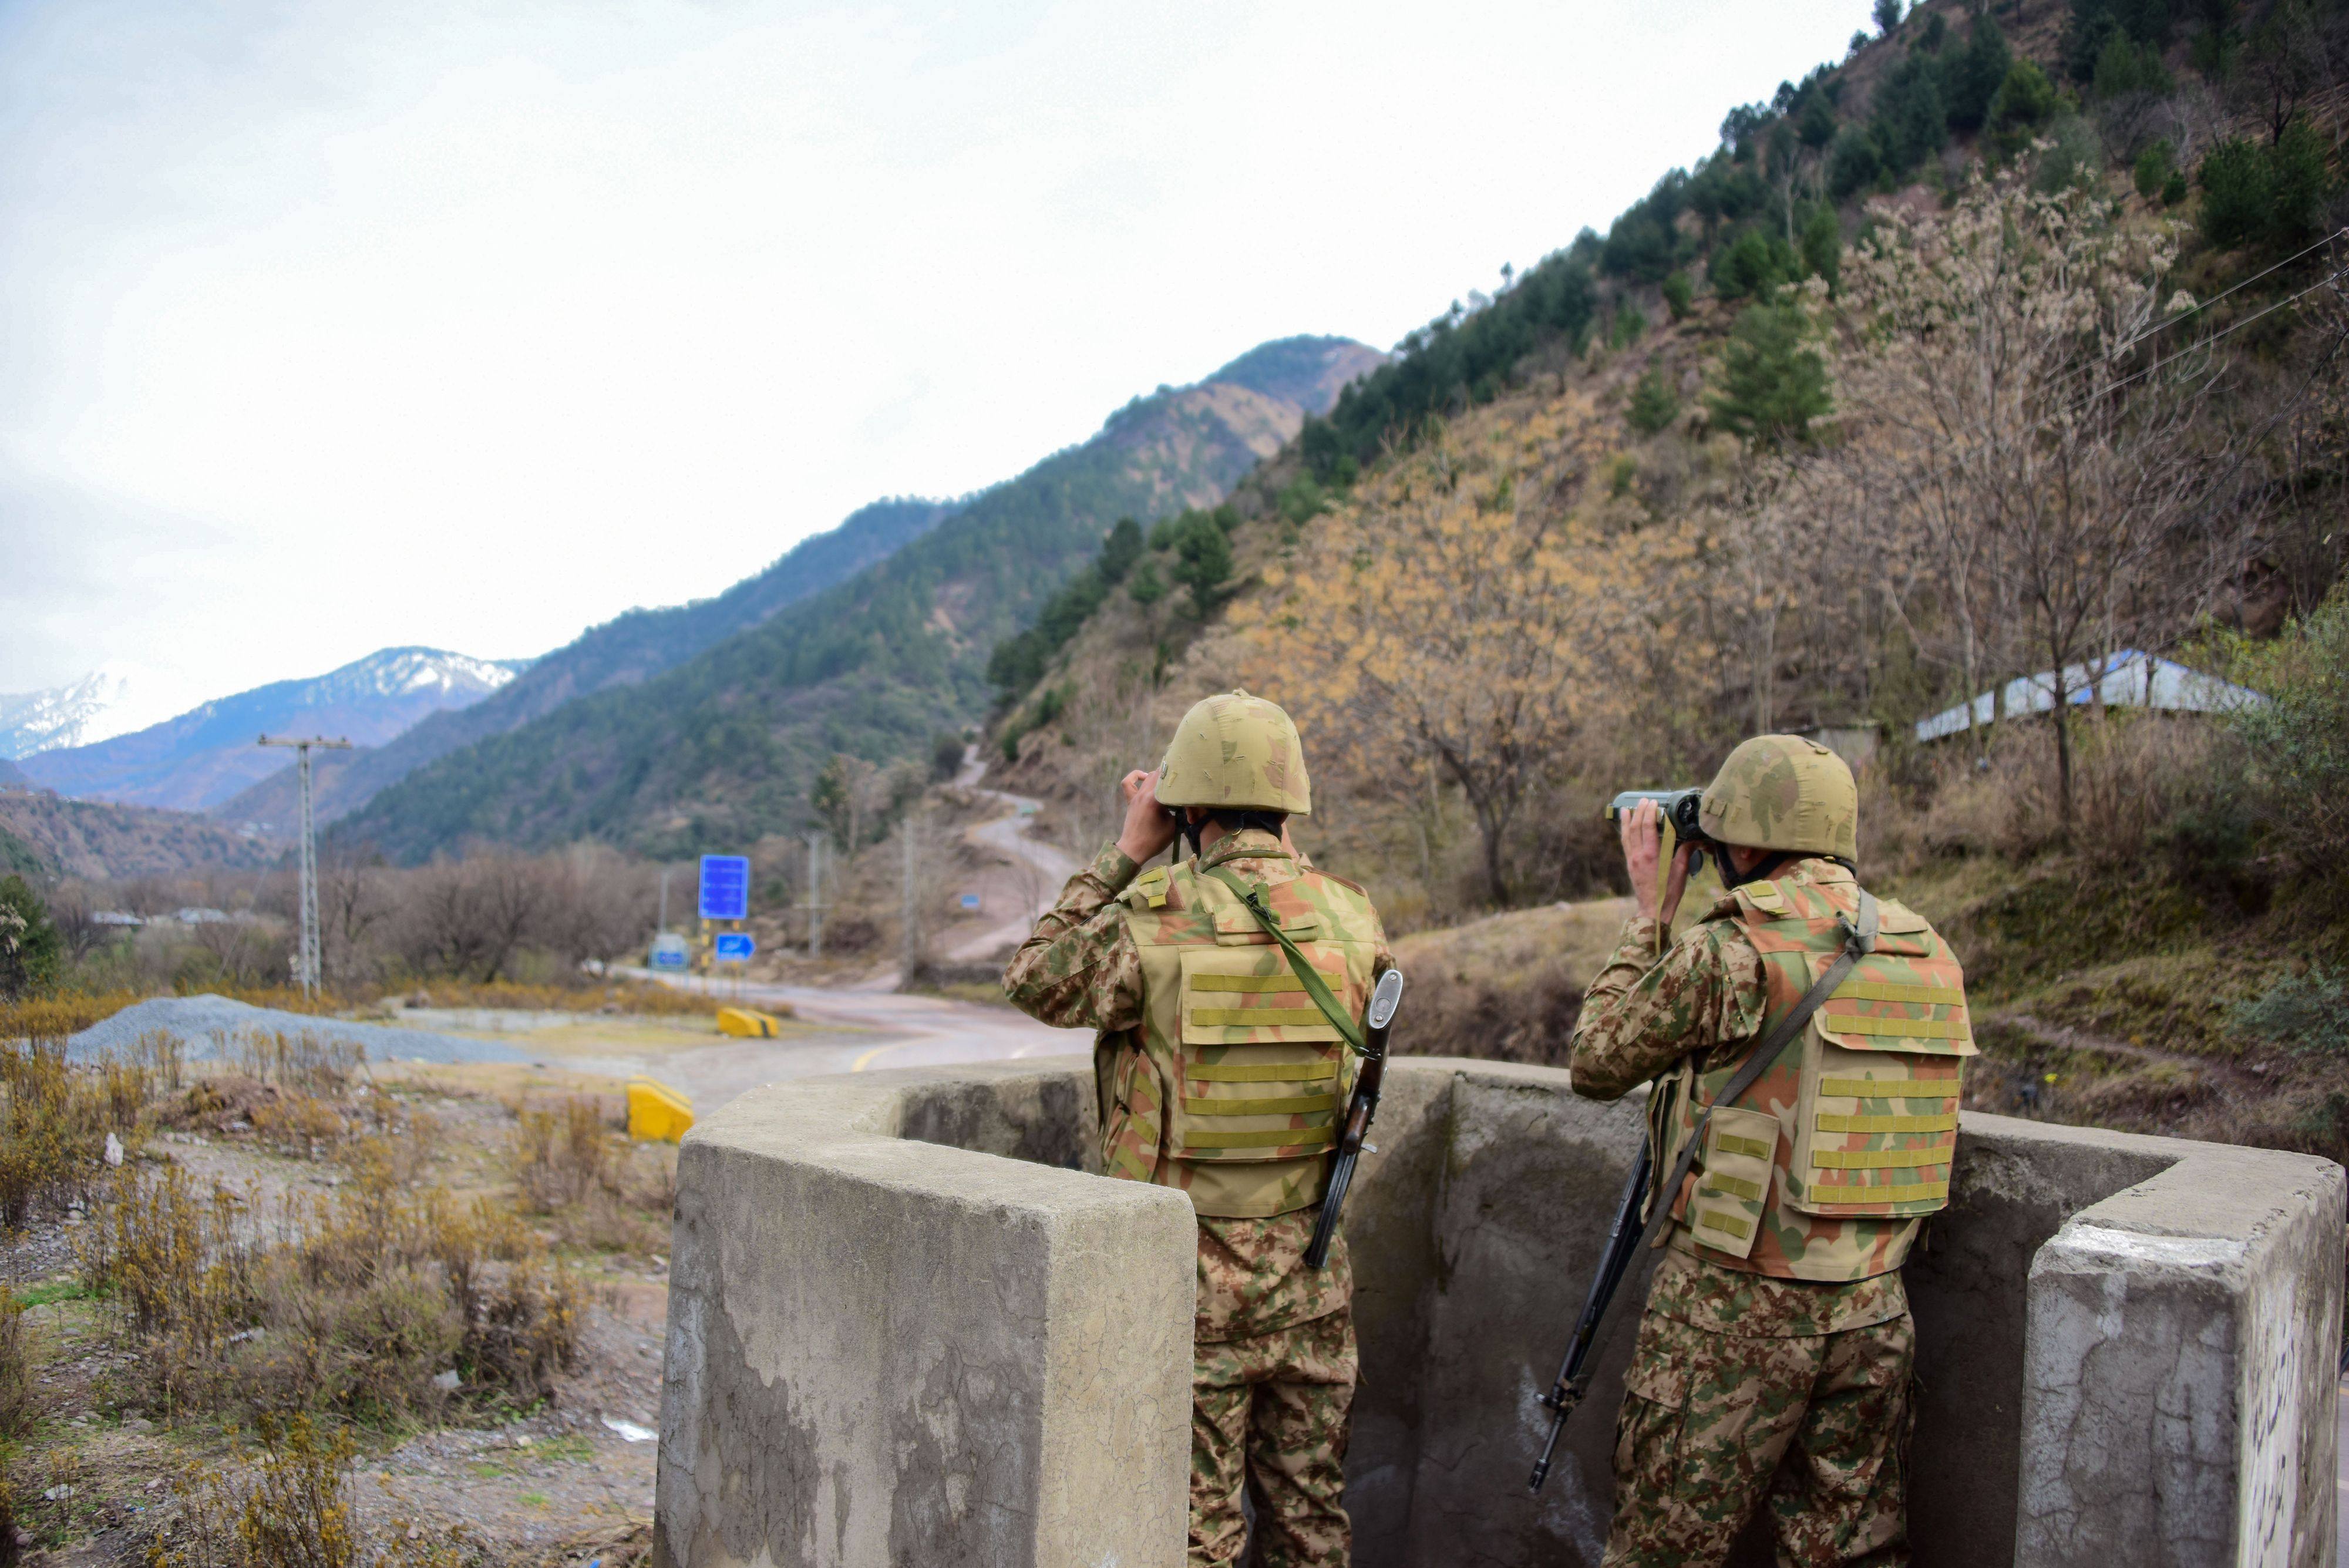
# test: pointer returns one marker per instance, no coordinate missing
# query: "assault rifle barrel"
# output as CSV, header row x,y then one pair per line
x,y
1385,997
1575,1373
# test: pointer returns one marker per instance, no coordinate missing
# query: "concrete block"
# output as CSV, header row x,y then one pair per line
x,y
882,1351
2179,1402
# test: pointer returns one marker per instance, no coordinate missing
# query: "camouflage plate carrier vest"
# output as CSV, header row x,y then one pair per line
x,y
1236,1091
1823,1170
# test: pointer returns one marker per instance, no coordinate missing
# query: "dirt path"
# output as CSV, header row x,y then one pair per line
x,y
2233,1076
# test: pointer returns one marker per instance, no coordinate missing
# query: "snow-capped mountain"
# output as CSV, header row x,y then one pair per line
x,y
33,722
207,755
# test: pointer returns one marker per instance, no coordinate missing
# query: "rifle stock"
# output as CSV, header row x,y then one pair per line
x,y
1361,1111
1574,1374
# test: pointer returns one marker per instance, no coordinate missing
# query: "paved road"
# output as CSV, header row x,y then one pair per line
x,y
864,1031
1010,835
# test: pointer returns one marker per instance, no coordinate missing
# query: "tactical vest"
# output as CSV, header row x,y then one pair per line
x,y
1239,1084
1822,1168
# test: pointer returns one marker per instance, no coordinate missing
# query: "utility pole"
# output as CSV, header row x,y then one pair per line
x,y
307,961
663,926
910,919
815,895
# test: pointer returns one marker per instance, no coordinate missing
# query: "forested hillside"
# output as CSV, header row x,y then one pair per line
x,y
727,745
631,648
2011,344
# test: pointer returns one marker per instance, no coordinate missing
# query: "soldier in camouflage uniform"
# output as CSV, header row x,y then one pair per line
x,y
1772,1368
1218,1074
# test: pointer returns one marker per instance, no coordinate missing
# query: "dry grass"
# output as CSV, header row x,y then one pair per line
x,y
352,1304
1506,988
54,1125
55,1017
301,1061
18,1403
601,1189
295,1508
2135,775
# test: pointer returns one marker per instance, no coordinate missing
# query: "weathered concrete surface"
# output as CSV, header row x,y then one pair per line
x,y
2159,1397
2173,1412
892,1352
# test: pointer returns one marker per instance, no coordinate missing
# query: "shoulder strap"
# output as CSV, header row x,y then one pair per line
x,y
1307,976
1859,942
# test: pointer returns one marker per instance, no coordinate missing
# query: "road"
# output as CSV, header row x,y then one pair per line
x,y
1009,835
862,1032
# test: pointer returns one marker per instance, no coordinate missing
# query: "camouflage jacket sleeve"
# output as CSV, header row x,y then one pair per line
x,y
1079,969
1643,1013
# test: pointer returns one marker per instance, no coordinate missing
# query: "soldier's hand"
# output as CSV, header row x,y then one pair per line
x,y
1149,827
1643,846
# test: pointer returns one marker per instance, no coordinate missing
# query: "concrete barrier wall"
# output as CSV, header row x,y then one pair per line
x,y
2126,1345
882,1351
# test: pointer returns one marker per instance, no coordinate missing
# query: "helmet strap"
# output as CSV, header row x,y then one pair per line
x,y
1730,876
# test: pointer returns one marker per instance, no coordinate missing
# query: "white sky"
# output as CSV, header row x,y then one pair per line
x,y
471,323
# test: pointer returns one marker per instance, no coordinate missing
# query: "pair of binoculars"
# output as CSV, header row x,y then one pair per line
x,y
1679,807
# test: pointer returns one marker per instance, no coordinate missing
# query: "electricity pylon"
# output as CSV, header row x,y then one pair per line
x,y
307,961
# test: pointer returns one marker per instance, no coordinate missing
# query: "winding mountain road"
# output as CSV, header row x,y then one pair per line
x,y
1009,834
872,1027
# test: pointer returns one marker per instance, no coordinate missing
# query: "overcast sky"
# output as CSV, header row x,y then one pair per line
x,y
330,328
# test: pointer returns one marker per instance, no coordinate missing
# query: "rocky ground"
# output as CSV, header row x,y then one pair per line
x,y
566,1479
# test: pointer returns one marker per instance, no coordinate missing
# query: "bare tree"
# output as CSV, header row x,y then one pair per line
x,y
471,918
600,904
354,903
2008,404
1456,618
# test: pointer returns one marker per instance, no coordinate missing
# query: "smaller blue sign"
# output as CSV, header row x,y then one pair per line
x,y
668,950
970,902
735,946
725,887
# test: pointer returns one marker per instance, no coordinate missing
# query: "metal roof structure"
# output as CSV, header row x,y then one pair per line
x,y
2129,680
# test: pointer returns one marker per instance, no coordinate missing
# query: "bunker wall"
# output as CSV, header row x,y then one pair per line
x,y
884,1352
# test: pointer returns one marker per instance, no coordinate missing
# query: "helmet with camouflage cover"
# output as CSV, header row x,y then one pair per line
x,y
1233,751
1784,792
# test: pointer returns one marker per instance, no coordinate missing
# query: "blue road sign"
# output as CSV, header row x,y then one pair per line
x,y
668,950
970,902
725,887
735,946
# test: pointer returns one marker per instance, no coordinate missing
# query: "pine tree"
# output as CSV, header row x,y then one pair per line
x,y
1772,382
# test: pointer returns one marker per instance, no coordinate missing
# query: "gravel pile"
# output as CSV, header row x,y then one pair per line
x,y
208,1023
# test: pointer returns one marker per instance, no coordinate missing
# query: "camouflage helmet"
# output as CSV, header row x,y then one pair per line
x,y
1784,793
1237,752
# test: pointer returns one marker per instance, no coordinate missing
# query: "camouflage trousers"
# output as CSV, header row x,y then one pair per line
x,y
1815,1426
1271,1411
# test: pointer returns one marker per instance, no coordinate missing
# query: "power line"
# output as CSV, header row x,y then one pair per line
x,y
2197,309
2196,347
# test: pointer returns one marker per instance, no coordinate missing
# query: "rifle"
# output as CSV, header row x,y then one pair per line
x,y
1626,1240
1384,999
1575,1374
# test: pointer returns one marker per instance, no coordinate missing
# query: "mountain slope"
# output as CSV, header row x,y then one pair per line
x,y
33,722
623,651
1628,424
206,754
725,746
98,839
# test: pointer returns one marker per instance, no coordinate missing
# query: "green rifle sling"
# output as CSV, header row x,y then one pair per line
x,y
1307,976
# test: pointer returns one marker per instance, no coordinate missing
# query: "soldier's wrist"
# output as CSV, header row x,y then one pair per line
x,y
1114,867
